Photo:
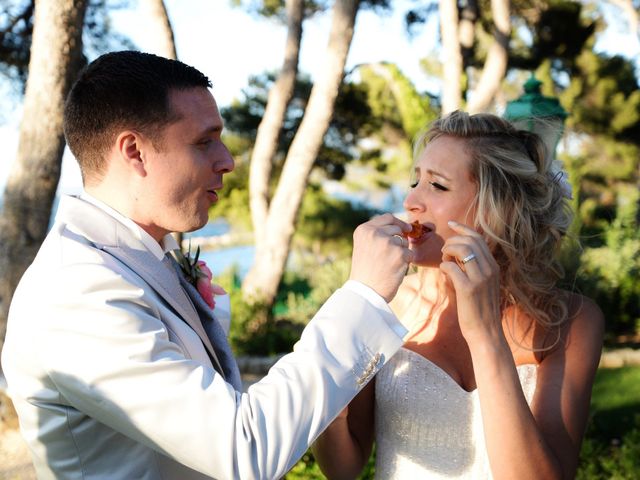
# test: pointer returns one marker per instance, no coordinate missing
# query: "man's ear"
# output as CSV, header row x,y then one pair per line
x,y
130,147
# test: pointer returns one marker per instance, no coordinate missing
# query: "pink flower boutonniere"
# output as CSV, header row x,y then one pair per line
x,y
199,275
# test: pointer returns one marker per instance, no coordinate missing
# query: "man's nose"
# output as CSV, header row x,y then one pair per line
x,y
224,163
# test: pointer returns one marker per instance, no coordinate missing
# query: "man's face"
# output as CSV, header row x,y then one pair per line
x,y
184,175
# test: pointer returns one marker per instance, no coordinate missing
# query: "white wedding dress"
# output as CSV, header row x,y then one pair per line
x,y
427,426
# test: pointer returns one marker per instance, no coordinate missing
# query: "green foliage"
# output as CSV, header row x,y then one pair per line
x,y
326,224
319,280
233,199
618,461
307,469
615,399
395,101
242,335
16,29
609,273
544,29
611,448
258,331
604,103
276,8
253,330
608,162
551,30
400,112
351,121
265,8
560,32
603,97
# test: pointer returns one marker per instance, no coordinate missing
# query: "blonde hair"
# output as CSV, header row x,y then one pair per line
x,y
521,209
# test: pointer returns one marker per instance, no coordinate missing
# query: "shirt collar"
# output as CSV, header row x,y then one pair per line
x,y
159,250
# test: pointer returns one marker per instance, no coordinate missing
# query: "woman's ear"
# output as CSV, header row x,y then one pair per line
x,y
130,149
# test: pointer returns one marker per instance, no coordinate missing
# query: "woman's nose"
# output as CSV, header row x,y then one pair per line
x,y
413,202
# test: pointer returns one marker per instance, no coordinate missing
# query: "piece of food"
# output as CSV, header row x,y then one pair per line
x,y
416,230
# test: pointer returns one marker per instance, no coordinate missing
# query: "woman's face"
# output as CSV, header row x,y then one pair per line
x,y
443,191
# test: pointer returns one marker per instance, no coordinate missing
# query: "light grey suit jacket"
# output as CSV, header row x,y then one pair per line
x,y
112,376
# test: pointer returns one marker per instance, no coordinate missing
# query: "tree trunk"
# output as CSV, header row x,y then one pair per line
x,y
467,30
269,129
159,28
452,56
272,249
55,58
495,65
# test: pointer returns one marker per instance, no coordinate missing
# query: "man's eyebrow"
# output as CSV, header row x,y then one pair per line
x,y
211,130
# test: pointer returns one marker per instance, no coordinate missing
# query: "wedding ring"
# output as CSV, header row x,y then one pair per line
x,y
468,258
402,239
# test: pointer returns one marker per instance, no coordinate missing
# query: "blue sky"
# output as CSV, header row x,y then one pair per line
x,y
229,46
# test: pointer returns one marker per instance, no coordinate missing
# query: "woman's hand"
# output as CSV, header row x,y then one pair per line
x,y
475,275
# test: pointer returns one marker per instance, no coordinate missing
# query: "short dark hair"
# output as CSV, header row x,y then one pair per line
x,y
121,90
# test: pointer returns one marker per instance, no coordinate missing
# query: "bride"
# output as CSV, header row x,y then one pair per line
x,y
495,377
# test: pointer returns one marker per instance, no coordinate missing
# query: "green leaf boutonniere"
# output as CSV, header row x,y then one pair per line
x,y
199,275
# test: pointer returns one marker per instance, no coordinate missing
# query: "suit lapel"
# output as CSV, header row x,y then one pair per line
x,y
213,328
116,239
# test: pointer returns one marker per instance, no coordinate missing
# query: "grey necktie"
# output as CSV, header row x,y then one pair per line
x,y
212,327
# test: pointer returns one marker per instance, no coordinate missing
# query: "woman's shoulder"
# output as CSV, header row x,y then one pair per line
x,y
581,334
584,331
585,315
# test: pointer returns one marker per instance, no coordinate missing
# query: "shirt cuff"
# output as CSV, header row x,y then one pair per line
x,y
378,302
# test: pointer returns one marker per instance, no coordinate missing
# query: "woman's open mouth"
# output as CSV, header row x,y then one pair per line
x,y
420,234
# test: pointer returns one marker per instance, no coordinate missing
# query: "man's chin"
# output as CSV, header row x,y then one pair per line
x,y
191,226
191,229
197,225
190,219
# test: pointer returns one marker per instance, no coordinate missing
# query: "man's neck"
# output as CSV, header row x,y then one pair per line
x,y
120,202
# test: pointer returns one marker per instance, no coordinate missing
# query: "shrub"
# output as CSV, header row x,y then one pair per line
x,y
609,273
257,331
617,460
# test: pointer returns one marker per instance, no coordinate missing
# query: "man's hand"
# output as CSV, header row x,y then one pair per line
x,y
381,254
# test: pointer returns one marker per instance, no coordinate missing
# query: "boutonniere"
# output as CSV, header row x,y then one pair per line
x,y
199,275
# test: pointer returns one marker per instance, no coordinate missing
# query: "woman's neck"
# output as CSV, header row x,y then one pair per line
x,y
435,308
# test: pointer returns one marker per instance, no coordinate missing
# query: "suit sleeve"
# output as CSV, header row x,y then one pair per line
x,y
109,355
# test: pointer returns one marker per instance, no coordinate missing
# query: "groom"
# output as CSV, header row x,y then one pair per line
x,y
117,368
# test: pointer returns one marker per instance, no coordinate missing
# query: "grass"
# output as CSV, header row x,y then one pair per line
x,y
615,401
611,448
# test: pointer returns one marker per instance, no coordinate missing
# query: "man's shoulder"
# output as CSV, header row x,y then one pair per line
x,y
66,261
64,247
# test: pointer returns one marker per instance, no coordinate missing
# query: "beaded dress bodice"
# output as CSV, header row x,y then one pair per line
x,y
427,426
